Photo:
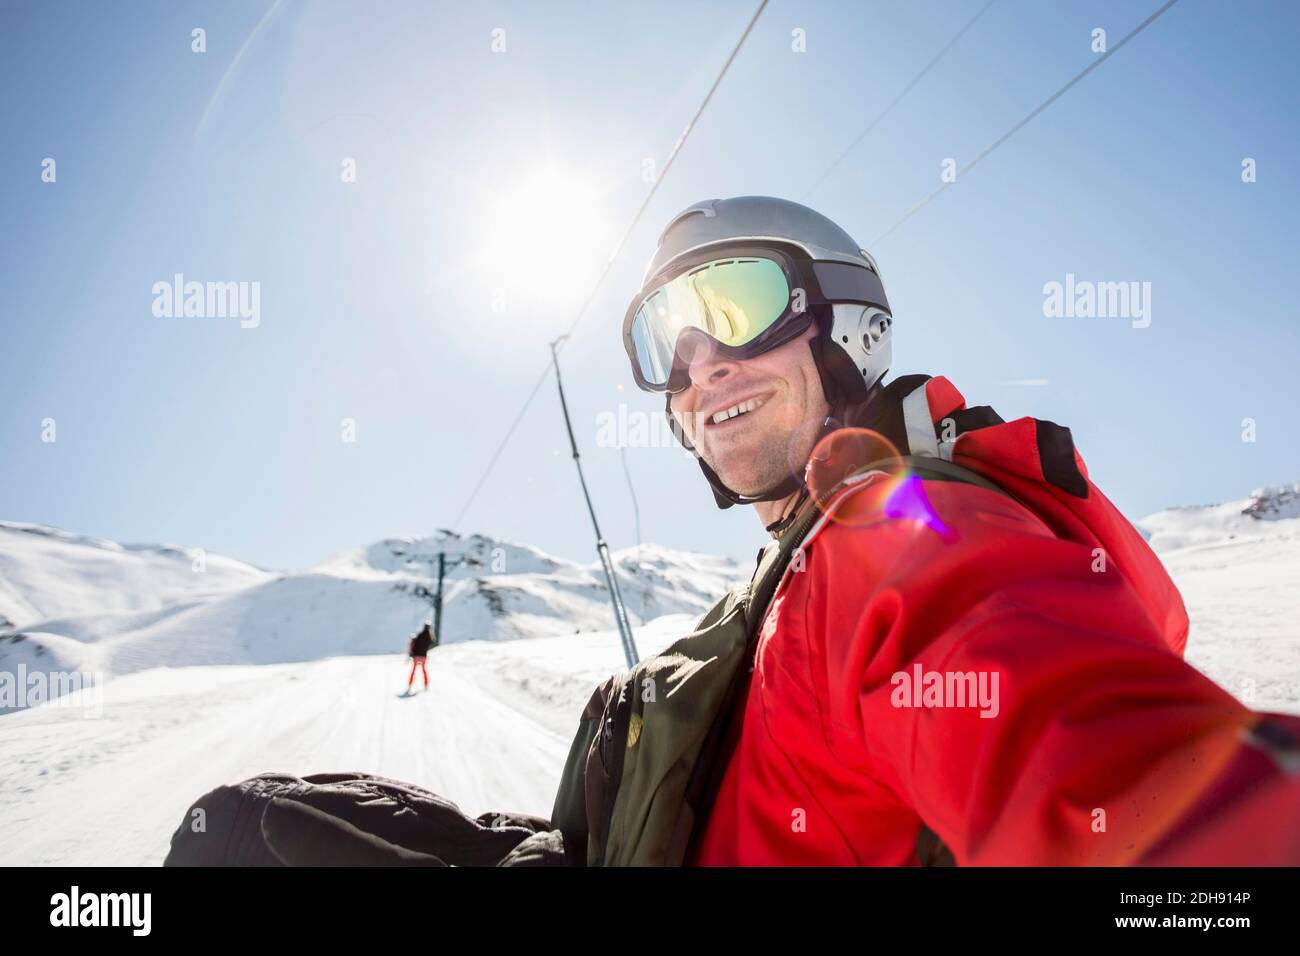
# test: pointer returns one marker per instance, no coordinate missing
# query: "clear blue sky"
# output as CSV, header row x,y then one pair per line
x,y
377,296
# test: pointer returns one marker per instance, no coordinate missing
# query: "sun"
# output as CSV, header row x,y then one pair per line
x,y
546,238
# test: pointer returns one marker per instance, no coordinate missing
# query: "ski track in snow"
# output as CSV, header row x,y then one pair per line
x,y
111,790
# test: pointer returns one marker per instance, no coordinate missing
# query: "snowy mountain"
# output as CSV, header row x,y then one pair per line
x,y
1267,512
1238,567
47,573
72,603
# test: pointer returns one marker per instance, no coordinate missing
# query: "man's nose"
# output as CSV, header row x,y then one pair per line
x,y
704,365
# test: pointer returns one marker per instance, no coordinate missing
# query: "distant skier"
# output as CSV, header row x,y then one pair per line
x,y
418,648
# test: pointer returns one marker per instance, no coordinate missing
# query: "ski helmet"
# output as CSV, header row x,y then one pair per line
x,y
752,273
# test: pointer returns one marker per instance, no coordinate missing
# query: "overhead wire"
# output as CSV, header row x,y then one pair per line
x,y
636,219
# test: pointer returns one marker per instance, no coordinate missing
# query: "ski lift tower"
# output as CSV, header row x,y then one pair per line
x,y
602,549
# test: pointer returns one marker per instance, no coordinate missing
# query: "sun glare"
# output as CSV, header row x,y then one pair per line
x,y
546,237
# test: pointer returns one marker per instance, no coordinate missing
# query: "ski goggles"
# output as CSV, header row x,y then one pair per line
x,y
744,302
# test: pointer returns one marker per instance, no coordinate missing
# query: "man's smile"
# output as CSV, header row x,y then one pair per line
x,y
726,415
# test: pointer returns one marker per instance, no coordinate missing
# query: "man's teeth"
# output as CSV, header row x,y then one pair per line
x,y
735,410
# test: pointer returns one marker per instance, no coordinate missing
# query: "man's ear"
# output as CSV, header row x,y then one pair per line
x,y
839,376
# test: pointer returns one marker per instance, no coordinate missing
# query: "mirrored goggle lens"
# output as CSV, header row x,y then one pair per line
x,y
731,300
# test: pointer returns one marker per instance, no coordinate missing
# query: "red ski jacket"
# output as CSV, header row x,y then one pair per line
x,y
1005,671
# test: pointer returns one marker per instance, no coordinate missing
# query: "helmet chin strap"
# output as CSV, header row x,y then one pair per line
x,y
780,524
788,485
784,489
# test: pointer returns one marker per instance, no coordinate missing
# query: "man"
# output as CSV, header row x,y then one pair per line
x,y
418,648
954,649
975,658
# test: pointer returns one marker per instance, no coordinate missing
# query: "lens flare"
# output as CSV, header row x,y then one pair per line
x,y
848,454
907,502
842,454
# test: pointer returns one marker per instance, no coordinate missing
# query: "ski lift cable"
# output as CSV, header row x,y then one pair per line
x,y
898,99
1024,122
636,523
636,510
677,148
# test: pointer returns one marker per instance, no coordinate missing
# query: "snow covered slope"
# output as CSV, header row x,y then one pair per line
x,y
119,610
1238,568
490,733
47,573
